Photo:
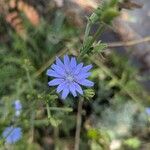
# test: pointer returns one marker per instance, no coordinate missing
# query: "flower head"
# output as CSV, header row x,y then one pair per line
x,y
18,107
69,76
12,134
148,110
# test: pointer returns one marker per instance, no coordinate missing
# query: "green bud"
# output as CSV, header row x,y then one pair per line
x,y
40,96
109,15
89,93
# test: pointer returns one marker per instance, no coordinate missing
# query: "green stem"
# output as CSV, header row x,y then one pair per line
x,y
87,47
78,125
37,123
48,111
32,113
56,136
29,79
61,109
87,30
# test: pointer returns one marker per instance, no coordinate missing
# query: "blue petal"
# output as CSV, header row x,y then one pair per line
x,y
53,73
83,75
147,110
72,89
58,69
86,82
67,63
12,134
17,105
61,86
73,62
59,62
66,60
65,93
78,68
55,82
78,88
86,68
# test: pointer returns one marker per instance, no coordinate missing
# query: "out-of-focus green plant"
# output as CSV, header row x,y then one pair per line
x,y
132,143
99,138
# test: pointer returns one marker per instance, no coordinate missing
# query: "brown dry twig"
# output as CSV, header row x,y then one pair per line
x,y
129,43
11,9
48,63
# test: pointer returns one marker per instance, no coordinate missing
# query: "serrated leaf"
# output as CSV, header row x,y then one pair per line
x,y
87,41
94,18
99,47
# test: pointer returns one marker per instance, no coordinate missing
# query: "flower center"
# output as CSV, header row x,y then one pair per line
x,y
70,78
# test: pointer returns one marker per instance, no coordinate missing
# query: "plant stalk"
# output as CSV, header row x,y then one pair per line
x,y
78,125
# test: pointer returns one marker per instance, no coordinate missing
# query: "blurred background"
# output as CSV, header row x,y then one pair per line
x,y
116,117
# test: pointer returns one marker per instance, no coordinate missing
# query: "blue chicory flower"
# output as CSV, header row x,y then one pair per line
x,y
18,107
69,76
147,110
12,134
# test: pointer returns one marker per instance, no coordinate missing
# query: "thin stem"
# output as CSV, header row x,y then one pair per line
x,y
32,113
98,32
87,30
78,124
129,43
86,48
65,109
48,111
48,63
32,125
29,79
56,136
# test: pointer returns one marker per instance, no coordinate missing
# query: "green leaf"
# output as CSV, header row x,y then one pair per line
x,y
93,18
99,47
87,41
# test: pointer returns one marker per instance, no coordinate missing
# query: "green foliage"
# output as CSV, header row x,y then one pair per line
x,y
132,143
106,12
99,139
115,107
93,134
